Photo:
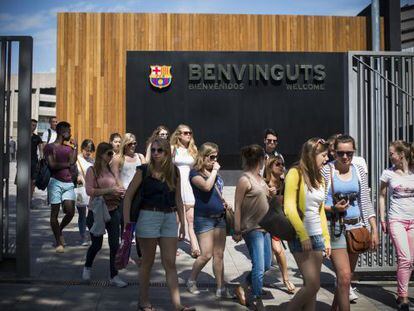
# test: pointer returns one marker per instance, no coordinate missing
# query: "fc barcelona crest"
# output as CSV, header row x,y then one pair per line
x,y
160,76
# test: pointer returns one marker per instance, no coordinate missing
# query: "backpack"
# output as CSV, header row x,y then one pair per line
x,y
43,176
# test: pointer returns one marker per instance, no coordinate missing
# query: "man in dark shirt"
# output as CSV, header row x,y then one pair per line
x,y
61,156
35,145
12,149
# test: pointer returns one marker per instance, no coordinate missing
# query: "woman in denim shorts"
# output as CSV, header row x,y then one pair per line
x,y
209,217
304,207
350,202
161,210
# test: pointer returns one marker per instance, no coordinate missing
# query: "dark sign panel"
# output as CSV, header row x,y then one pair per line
x,y
230,97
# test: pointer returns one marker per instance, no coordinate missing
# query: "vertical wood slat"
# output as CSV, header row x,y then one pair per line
x,y
91,52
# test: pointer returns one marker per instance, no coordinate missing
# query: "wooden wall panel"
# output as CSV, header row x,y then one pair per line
x,y
91,52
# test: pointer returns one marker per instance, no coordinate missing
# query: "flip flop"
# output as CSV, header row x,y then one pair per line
x,y
291,288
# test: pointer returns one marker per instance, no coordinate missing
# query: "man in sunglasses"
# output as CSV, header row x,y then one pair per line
x,y
271,139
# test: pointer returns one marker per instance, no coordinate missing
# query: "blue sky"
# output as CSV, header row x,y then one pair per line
x,y
38,17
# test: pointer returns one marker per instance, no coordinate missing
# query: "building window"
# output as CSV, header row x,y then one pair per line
x,y
47,104
48,91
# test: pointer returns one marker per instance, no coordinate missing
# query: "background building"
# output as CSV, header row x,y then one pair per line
x,y
43,101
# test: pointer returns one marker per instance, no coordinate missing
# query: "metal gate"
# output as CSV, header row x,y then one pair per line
x,y
14,207
381,110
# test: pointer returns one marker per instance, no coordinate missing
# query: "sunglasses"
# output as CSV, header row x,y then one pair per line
x,y
163,134
157,150
271,141
278,164
213,157
321,141
187,133
132,144
349,154
110,153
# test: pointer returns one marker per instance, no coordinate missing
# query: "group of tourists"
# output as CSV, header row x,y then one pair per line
x,y
177,188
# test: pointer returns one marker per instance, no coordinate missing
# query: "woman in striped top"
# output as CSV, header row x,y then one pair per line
x,y
351,181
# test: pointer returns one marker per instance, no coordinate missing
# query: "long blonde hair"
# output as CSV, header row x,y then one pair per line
x,y
168,170
307,164
126,140
175,140
205,150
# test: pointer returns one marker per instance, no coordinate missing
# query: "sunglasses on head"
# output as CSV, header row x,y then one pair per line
x,y
271,141
157,150
187,133
213,157
110,153
342,153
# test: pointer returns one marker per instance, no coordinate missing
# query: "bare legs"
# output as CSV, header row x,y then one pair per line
x,y
189,215
309,264
69,210
279,252
168,247
212,244
344,265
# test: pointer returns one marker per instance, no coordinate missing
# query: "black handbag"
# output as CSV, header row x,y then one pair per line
x,y
43,176
276,223
137,199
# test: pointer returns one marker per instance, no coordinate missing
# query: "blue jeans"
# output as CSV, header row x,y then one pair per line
x,y
260,251
82,220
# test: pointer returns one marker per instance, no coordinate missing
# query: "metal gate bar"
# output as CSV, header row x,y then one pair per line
x,y
19,229
381,107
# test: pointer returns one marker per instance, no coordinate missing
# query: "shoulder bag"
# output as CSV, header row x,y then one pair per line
x,y
228,213
358,240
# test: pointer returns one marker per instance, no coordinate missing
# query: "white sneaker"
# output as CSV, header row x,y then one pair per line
x,y
86,274
192,287
352,294
224,293
85,242
118,282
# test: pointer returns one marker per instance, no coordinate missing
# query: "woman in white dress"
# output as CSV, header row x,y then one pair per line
x,y
184,152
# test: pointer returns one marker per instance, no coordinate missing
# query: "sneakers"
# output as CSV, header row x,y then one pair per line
x,y
352,294
224,293
86,274
118,282
192,287
85,242
60,249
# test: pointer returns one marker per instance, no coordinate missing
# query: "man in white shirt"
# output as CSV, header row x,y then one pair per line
x,y
49,136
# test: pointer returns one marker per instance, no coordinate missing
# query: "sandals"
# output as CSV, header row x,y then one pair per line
x,y
241,295
195,253
291,288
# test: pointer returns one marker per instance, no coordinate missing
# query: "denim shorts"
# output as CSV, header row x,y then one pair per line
x,y
153,224
203,224
59,191
337,242
318,244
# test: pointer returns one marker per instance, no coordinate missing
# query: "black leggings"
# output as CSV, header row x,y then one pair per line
x,y
112,227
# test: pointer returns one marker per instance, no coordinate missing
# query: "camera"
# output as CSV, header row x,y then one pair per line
x,y
350,197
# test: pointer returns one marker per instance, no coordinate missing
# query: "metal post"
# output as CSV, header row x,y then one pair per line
x,y
375,25
2,101
23,157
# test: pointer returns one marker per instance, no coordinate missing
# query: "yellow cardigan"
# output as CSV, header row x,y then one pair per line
x,y
291,188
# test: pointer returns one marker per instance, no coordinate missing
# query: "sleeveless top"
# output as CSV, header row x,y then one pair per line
x,y
128,171
254,205
155,192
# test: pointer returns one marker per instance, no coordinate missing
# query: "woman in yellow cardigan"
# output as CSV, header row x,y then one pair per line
x,y
305,187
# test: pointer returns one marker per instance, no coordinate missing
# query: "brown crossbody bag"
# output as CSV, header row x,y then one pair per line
x,y
358,240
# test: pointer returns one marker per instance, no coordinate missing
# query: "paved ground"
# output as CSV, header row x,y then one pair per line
x,y
55,283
